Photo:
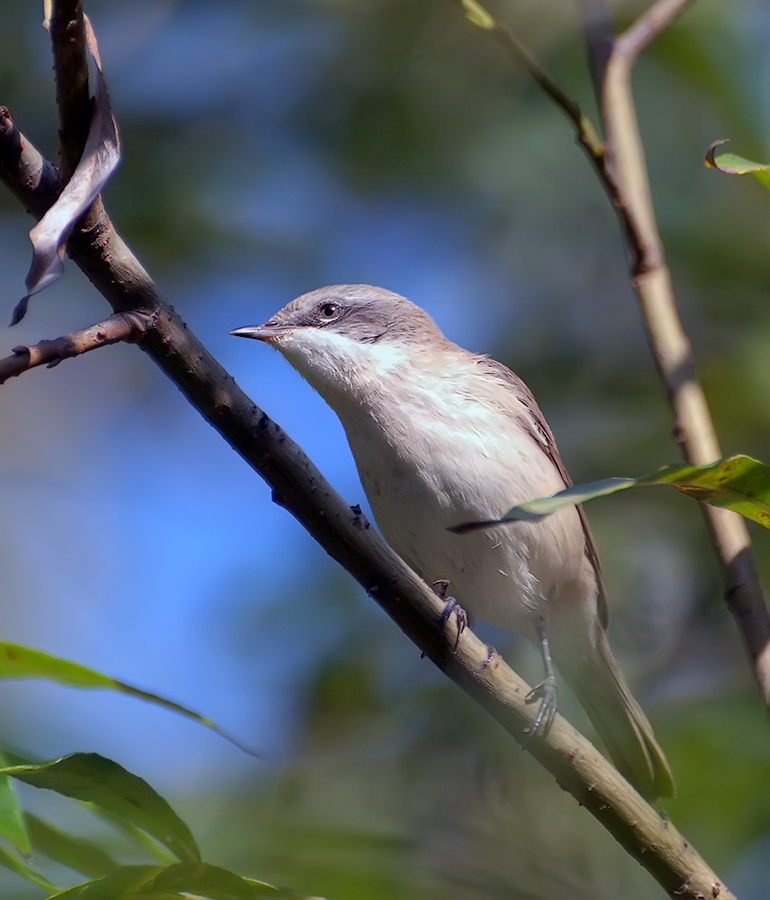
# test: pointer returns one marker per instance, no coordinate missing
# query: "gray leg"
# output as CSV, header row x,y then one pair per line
x,y
546,690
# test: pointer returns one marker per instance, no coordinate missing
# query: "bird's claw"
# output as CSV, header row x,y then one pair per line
x,y
451,606
546,713
440,588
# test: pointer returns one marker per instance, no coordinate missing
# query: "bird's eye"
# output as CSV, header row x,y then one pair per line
x,y
328,311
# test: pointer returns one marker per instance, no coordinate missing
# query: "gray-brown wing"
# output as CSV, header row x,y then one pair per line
x,y
542,433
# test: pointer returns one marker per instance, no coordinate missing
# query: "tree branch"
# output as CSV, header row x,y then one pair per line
x,y
70,63
621,169
584,129
70,37
651,279
648,26
585,132
347,536
127,326
26,173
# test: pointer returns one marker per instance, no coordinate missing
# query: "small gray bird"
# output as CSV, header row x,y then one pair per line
x,y
442,437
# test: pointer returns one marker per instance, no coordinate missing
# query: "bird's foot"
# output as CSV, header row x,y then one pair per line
x,y
545,692
491,653
451,605
440,588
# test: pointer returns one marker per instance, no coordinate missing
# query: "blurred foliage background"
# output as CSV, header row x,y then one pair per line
x,y
270,147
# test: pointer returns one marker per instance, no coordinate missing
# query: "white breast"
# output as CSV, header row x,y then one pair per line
x,y
436,448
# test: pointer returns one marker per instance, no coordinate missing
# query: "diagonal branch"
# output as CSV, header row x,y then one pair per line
x,y
346,535
126,326
584,130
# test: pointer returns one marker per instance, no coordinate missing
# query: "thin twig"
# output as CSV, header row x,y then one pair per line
x,y
584,128
126,326
622,171
346,535
651,279
648,26
585,132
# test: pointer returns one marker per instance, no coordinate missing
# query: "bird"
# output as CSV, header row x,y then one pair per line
x,y
442,436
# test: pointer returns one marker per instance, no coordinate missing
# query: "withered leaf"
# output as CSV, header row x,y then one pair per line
x,y
101,155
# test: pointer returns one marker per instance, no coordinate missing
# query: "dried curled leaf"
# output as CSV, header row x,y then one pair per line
x,y
732,164
101,155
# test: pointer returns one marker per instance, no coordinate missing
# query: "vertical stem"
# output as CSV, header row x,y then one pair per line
x,y
651,279
68,41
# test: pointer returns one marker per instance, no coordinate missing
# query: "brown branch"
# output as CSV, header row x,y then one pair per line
x,y
126,326
70,37
27,174
346,535
68,43
651,279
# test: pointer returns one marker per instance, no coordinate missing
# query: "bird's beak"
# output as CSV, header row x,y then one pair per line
x,y
265,332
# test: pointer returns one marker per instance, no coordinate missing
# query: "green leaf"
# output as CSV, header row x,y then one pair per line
x,y
135,835
739,483
161,882
77,853
12,825
8,860
95,779
127,881
732,164
477,15
17,661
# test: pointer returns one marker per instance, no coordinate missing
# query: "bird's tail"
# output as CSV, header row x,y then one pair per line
x,y
620,721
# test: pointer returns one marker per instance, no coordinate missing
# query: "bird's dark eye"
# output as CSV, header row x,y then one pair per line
x,y
328,311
